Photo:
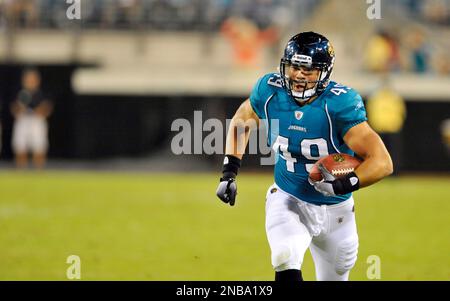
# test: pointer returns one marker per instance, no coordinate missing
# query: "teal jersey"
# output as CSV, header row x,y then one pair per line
x,y
301,135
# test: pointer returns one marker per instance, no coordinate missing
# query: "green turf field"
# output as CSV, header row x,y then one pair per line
x,y
172,227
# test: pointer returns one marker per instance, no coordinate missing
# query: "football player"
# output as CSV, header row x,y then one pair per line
x,y
316,117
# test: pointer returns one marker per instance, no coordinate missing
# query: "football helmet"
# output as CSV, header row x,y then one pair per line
x,y
311,50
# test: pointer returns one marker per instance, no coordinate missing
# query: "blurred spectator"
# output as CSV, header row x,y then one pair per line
x,y
436,11
413,5
445,132
247,39
126,12
420,51
394,63
161,14
442,64
216,12
30,110
386,114
382,53
22,13
156,14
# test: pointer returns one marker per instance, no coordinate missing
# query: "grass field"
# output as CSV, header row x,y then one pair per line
x,y
172,227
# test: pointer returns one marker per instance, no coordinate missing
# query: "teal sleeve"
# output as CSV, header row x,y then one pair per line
x,y
350,113
256,99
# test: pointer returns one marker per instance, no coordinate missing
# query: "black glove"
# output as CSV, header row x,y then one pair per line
x,y
227,189
332,186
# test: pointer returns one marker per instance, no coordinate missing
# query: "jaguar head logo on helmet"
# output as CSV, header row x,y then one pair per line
x,y
306,65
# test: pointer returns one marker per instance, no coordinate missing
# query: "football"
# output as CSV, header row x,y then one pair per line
x,y
338,165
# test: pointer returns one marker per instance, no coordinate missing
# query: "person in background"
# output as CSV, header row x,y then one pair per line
x,y
386,113
378,53
21,13
445,132
382,53
247,40
30,131
420,51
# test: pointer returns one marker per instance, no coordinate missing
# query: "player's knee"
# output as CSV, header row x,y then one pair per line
x,y
280,257
284,257
346,255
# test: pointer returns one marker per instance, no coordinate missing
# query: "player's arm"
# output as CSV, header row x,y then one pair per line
x,y
377,163
242,123
366,143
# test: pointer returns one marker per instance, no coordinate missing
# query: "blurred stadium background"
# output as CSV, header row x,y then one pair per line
x,y
115,194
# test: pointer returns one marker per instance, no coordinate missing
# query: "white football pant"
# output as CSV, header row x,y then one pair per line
x,y
329,231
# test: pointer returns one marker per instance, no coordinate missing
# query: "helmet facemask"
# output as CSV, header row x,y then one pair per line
x,y
306,94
